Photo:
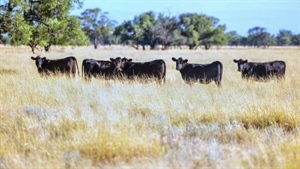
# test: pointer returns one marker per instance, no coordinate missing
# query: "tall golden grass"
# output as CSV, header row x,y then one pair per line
x,y
58,122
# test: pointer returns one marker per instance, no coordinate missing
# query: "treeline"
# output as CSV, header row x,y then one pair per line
x,y
190,29
46,23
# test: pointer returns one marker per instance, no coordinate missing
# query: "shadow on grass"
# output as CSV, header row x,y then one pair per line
x,y
7,72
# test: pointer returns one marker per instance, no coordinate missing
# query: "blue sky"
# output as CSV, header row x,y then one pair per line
x,y
238,15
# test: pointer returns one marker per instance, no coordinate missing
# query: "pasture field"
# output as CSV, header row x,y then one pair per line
x,y
58,122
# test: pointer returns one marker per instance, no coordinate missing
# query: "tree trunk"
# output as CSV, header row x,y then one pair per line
x,y
95,46
165,47
135,47
95,43
32,48
152,47
207,46
47,48
191,47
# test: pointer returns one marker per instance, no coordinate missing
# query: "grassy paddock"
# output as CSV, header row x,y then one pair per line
x,y
59,122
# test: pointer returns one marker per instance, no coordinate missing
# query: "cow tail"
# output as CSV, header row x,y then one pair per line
x,y
77,67
220,71
283,72
164,72
82,69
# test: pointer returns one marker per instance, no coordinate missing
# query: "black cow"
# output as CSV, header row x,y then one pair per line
x,y
65,66
92,68
101,68
204,73
155,69
261,71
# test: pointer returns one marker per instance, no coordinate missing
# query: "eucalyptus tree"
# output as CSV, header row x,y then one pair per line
x,y
296,40
200,29
258,36
233,38
143,30
284,37
97,26
168,32
140,31
42,23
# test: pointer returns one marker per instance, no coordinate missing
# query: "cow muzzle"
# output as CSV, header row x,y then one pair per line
x,y
179,67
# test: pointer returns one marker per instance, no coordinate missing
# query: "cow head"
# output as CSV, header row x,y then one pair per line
x,y
180,63
241,64
39,62
125,61
117,63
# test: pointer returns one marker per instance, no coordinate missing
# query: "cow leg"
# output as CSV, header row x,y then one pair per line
x,y
74,71
158,80
87,76
280,76
161,81
69,74
161,78
218,82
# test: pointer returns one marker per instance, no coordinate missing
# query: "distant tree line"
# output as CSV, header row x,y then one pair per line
x,y
46,23
189,29
259,37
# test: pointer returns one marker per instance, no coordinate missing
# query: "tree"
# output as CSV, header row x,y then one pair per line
x,y
148,30
200,29
141,31
5,12
143,26
125,32
97,26
5,40
43,23
214,37
296,40
166,30
258,36
244,41
271,40
233,38
284,38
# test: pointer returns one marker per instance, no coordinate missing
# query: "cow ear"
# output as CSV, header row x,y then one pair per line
x,y
112,59
174,59
235,61
185,61
44,58
246,61
33,58
129,60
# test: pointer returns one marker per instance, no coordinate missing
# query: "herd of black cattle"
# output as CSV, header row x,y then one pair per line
x,y
123,68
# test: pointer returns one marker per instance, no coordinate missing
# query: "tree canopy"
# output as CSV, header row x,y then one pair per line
x,y
41,23
97,26
189,29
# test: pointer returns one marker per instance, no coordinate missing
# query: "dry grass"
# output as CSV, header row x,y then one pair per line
x,y
58,122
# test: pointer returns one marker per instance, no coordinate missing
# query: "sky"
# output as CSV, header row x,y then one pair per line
x,y
238,15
